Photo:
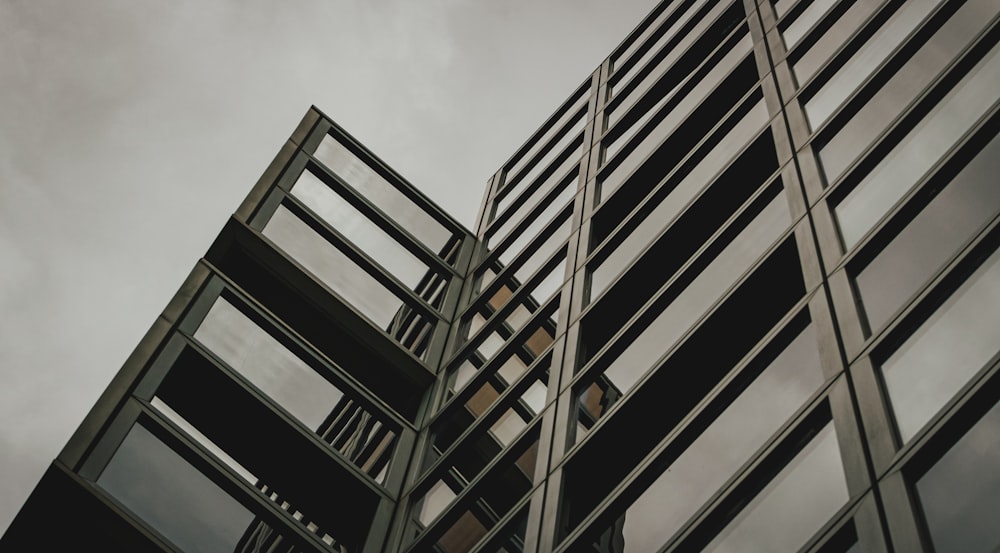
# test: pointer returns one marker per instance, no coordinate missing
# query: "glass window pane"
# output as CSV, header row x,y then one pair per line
x,y
532,173
447,429
496,495
961,492
381,193
633,45
677,200
690,480
434,501
946,351
538,255
665,37
783,6
289,381
856,69
713,75
896,94
555,204
899,170
282,501
544,251
929,240
281,375
461,376
332,267
820,52
677,115
359,229
793,506
657,338
517,166
686,53
810,16
172,496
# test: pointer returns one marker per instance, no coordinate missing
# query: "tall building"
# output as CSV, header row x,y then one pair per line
x,y
740,292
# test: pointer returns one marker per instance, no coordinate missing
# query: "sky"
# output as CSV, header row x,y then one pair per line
x,y
131,129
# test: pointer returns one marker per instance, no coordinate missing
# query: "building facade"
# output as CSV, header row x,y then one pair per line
x,y
740,292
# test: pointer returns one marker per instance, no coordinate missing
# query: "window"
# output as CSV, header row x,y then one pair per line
x,y
689,480
794,505
267,364
379,191
960,494
867,58
689,304
333,267
668,136
745,319
953,215
359,229
887,102
946,351
845,22
675,199
805,20
915,154
173,497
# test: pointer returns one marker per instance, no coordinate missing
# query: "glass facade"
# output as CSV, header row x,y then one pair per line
x,y
739,292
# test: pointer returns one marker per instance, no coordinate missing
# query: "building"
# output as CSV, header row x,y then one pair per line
x,y
740,292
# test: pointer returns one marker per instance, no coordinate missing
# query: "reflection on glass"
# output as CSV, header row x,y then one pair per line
x,y
820,51
528,302
464,535
634,158
496,495
712,76
268,365
572,135
332,267
202,439
896,94
667,36
515,168
946,351
280,501
690,480
478,448
961,492
490,345
661,334
434,501
461,376
899,170
172,496
811,15
782,6
678,199
281,375
448,428
915,254
359,229
543,252
619,61
550,283
679,55
793,506
555,204
380,192
537,256
855,70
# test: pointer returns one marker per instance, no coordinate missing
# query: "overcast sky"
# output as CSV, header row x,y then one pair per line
x,y
130,130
